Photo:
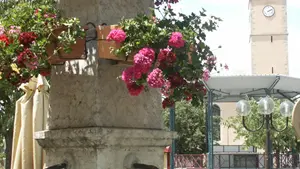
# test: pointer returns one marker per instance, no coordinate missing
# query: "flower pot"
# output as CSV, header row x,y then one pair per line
x,y
103,31
53,59
78,49
105,47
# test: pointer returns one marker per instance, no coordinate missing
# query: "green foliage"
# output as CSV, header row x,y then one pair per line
x,y
191,129
27,28
282,141
8,96
186,64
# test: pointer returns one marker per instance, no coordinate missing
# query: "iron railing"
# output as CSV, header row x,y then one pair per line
x,y
236,161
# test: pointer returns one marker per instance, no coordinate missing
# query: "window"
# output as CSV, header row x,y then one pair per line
x,y
216,122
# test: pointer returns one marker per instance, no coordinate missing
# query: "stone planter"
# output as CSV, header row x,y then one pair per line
x,y
105,47
78,49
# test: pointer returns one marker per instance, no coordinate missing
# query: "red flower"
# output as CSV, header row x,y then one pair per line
x,y
188,96
167,103
28,58
134,89
204,90
26,38
4,39
36,12
200,87
14,78
176,80
166,58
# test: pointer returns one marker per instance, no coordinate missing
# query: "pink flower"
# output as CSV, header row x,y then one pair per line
x,y
142,62
14,30
148,52
156,78
211,60
117,35
134,89
176,40
131,74
206,75
2,30
226,67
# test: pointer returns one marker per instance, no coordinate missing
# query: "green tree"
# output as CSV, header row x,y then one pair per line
x,y
190,125
8,97
282,141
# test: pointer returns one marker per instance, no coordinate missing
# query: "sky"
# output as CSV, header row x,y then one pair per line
x,y
235,16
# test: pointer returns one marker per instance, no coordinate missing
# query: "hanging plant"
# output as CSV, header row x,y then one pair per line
x,y
33,36
168,53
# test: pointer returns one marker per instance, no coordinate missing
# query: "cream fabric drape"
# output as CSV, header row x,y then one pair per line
x,y
296,119
30,116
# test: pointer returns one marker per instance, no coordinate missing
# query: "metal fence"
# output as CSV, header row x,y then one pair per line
x,y
237,161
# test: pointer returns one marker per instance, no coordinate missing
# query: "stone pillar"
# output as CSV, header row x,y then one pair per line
x,y
93,122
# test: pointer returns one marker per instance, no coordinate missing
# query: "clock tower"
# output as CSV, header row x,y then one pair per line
x,y
269,36
269,51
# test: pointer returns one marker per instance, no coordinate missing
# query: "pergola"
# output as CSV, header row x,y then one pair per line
x,y
235,88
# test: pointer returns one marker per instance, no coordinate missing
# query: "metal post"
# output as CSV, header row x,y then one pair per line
x,y
210,131
206,128
172,128
269,164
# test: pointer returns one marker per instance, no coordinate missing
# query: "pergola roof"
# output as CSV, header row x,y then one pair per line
x,y
235,88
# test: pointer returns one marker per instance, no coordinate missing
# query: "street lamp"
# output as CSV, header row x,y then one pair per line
x,y
266,107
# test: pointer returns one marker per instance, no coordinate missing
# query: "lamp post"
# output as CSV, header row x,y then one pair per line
x,y
266,108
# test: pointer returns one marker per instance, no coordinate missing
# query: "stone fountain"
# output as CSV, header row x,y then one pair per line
x,y
93,123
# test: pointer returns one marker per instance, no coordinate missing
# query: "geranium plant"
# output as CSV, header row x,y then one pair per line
x,y
169,53
26,29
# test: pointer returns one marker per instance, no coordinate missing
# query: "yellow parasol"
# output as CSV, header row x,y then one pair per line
x,y
30,116
296,119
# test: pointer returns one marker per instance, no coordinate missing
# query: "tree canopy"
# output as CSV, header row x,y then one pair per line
x,y
190,126
284,141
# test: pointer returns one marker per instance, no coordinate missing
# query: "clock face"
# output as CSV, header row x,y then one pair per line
x,y
268,11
